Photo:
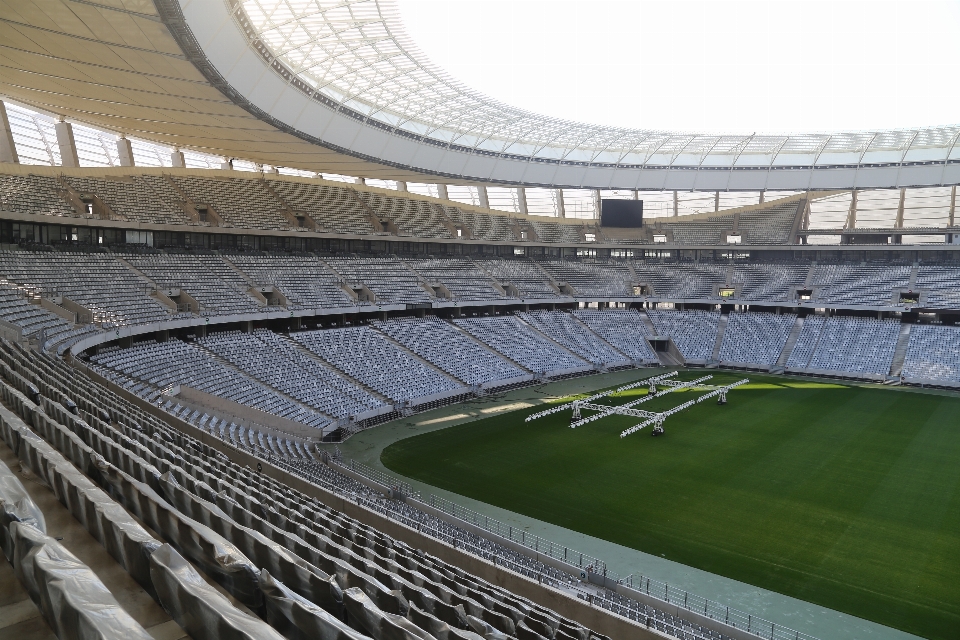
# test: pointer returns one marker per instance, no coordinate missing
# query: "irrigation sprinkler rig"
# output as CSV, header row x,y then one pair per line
x,y
650,417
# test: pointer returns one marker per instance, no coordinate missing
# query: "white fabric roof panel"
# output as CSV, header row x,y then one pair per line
x,y
343,74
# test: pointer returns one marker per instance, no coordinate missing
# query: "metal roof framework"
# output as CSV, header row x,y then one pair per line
x,y
356,54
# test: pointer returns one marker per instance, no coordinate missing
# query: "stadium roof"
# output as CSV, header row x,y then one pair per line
x,y
356,54
337,86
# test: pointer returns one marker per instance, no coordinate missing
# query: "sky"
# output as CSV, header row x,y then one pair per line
x,y
704,66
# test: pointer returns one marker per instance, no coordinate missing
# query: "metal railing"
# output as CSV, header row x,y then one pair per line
x,y
681,599
379,477
662,591
520,536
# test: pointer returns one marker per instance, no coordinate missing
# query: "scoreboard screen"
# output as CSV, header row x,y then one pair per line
x,y
621,213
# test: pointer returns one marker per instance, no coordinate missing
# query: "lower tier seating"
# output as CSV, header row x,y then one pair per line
x,y
933,354
694,332
444,346
515,340
622,328
755,338
567,331
367,356
307,569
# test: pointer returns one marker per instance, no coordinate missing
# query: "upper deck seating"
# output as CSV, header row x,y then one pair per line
x,y
390,279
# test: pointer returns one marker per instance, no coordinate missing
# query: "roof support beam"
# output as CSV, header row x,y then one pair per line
x,y
522,200
8,149
953,204
125,152
851,222
67,144
903,196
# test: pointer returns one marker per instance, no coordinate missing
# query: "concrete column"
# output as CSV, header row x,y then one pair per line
x,y
227,164
362,181
716,201
851,222
636,194
953,204
761,198
68,146
8,150
676,205
272,170
597,203
125,151
484,197
401,186
522,200
561,210
442,192
176,159
903,196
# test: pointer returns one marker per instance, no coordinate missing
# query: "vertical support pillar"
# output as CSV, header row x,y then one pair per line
x,y
636,194
598,203
401,186
125,152
852,212
903,196
271,170
561,210
68,146
176,159
362,181
716,201
676,205
522,200
442,192
484,197
8,149
953,204
227,164
761,197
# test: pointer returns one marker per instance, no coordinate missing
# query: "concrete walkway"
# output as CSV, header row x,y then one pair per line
x,y
805,617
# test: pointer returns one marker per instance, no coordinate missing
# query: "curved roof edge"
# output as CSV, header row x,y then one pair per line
x,y
212,36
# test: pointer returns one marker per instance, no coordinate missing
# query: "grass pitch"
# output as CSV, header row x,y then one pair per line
x,y
847,497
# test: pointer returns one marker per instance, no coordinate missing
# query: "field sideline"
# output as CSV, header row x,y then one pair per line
x,y
845,496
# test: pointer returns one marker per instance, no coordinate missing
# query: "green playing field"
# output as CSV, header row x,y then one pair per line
x,y
848,497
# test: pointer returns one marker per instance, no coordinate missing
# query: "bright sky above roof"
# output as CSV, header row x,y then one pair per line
x,y
774,66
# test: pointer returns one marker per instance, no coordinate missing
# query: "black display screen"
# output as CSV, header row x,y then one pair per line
x,y
621,213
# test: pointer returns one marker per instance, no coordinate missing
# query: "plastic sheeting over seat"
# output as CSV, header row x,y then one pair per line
x,y
73,600
196,606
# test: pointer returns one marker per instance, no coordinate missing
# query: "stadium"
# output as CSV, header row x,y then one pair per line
x,y
303,337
